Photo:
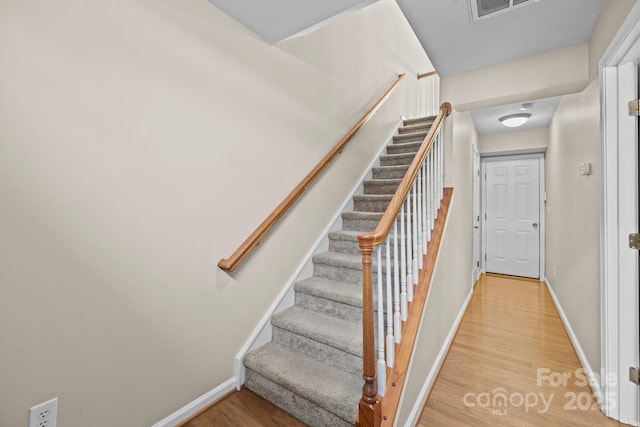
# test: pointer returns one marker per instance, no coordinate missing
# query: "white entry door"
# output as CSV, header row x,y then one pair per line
x,y
512,208
475,221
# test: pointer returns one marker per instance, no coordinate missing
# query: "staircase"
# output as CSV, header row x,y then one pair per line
x,y
312,368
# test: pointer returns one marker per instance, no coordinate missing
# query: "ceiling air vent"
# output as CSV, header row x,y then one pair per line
x,y
482,9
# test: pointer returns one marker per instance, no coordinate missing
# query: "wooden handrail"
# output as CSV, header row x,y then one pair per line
x,y
369,413
230,264
423,75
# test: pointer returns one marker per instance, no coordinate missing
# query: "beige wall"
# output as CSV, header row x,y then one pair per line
x,y
547,74
573,216
140,142
514,141
451,281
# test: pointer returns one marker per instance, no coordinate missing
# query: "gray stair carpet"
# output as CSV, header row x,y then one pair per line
x,y
312,368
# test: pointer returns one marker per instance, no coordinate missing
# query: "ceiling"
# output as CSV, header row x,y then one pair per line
x,y
453,40
455,43
276,20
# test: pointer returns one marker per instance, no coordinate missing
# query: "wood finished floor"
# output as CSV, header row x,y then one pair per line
x,y
510,330
243,409
511,343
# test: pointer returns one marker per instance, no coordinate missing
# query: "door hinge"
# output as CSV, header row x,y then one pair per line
x,y
634,375
634,108
634,240
485,257
477,263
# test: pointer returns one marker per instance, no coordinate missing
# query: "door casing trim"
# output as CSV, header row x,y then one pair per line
x,y
619,307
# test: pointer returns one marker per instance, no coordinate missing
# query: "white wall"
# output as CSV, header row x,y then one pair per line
x,y
140,142
451,281
573,201
514,141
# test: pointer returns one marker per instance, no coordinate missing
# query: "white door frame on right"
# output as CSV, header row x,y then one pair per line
x,y
619,210
493,158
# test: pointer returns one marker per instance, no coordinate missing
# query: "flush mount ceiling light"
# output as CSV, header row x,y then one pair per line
x,y
515,120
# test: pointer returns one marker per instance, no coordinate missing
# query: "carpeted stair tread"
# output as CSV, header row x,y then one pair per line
x,y
412,122
332,389
345,293
329,330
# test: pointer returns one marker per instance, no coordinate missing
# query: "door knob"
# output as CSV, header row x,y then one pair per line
x,y
476,226
535,224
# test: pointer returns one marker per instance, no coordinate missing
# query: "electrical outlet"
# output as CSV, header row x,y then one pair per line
x,y
44,414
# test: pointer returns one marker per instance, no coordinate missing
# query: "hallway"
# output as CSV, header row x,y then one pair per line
x,y
511,345
511,364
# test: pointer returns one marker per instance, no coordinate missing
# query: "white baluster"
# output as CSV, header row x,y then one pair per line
x,y
403,268
390,344
409,252
434,191
381,364
414,236
425,226
397,324
441,167
418,187
430,191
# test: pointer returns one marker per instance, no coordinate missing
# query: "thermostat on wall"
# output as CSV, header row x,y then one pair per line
x,y
585,168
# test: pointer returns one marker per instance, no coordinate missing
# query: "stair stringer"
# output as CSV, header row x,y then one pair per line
x,y
262,333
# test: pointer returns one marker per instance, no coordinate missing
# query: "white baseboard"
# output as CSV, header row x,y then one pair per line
x,y
197,405
412,420
592,376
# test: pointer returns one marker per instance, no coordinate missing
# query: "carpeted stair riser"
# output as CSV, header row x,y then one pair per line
x,y
371,202
409,137
396,159
344,267
419,127
331,331
381,186
348,244
360,221
302,409
341,300
403,148
419,120
337,309
319,351
390,172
